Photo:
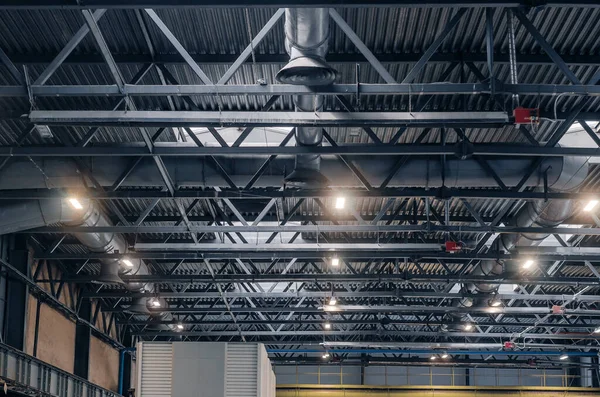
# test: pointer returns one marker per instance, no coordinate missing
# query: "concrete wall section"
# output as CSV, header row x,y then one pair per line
x,y
104,364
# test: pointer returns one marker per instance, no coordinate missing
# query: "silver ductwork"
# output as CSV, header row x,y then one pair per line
x,y
564,173
25,215
539,213
307,43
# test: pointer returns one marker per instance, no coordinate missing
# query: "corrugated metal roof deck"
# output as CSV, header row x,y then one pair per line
x,y
573,31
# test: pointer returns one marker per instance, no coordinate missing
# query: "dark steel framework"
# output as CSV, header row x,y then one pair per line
x,y
219,286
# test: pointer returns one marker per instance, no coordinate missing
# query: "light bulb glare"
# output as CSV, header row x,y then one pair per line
x,y
495,303
590,205
75,203
340,203
127,262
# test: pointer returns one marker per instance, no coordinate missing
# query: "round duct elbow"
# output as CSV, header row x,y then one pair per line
x,y
306,178
109,273
139,306
308,71
573,174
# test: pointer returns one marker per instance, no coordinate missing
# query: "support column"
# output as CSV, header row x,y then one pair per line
x,y
15,293
82,340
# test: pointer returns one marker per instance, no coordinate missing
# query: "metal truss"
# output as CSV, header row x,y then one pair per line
x,y
277,291
65,4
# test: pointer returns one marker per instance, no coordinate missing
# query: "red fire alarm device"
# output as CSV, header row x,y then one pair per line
x,y
558,309
526,116
452,247
509,345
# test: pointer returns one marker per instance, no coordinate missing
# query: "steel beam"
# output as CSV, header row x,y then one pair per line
x,y
394,309
339,278
373,320
138,149
320,295
475,335
261,194
44,58
361,228
349,251
76,4
414,89
274,119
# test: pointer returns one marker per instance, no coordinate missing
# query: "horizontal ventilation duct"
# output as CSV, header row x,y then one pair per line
x,y
564,173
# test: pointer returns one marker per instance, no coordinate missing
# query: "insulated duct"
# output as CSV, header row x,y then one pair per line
x,y
25,215
563,173
307,42
538,213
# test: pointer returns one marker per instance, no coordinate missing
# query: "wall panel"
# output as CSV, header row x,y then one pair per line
x,y
104,365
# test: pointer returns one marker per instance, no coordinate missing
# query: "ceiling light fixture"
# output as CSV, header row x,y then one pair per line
x,y
590,205
335,261
127,262
332,301
445,355
433,358
75,203
495,302
340,203
597,330
180,326
563,356
327,325
155,303
325,356
528,263
468,327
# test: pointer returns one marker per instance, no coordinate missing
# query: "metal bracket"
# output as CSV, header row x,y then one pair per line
x,y
464,149
357,72
546,183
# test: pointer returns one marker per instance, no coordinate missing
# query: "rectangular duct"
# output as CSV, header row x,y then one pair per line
x,y
185,369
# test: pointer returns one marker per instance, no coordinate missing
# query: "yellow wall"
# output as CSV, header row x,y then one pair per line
x,y
427,391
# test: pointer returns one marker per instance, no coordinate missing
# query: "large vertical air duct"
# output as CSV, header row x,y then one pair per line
x,y
306,41
26,215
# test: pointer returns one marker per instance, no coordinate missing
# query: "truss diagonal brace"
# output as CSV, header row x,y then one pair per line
x,y
182,51
361,46
248,50
546,46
